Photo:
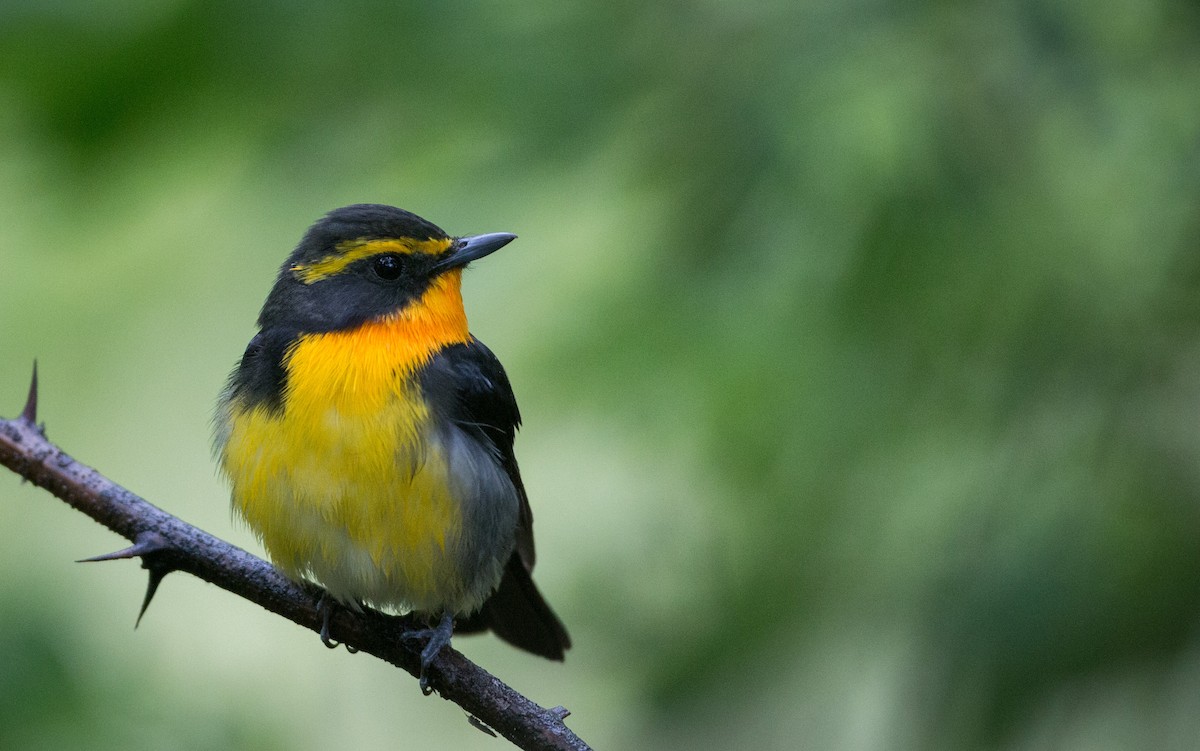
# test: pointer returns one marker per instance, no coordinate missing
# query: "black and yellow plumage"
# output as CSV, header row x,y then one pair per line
x,y
368,436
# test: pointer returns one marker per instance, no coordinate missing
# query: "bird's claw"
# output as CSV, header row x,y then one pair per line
x,y
438,638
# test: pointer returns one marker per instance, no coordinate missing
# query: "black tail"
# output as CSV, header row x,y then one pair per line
x,y
518,614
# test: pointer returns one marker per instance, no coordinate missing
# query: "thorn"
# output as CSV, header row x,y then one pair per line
x,y
157,574
146,545
478,724
29,414
559,712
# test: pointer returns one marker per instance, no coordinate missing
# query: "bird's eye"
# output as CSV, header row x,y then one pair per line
x,y
387,267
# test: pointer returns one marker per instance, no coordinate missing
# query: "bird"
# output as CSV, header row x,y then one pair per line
x,y
367,436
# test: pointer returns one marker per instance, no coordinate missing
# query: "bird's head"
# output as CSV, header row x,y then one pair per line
x,y
363,262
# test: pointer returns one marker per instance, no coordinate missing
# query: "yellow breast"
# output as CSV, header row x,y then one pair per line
x,y
348,484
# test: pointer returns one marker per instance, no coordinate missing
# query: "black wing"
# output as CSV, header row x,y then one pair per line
x,y
469,384
260,377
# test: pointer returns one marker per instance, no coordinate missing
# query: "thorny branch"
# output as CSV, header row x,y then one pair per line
x,y
167,544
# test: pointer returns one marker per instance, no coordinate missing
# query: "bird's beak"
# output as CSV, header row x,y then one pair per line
x,y
469,249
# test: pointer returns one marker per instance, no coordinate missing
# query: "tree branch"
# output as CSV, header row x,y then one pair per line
x,y
166,543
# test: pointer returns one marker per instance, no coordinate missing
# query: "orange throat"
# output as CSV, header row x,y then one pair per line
x,y
355,370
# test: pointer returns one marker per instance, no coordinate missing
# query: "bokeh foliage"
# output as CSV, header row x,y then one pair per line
x,y
857,343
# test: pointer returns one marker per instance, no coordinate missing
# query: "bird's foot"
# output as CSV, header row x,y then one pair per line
x,y
438,637
325,607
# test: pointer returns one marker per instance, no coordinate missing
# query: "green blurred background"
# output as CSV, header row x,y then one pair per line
x,y
858,345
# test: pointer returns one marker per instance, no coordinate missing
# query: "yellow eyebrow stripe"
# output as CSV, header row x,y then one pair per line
x,y
354,250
